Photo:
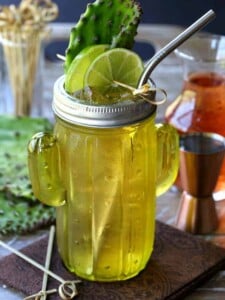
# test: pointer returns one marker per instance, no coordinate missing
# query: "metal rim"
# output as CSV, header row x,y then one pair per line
x,y
74,111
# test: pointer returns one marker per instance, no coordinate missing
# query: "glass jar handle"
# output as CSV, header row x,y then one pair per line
x,y
167,157
44,169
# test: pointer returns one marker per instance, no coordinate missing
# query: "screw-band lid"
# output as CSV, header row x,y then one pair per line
x,y
74,111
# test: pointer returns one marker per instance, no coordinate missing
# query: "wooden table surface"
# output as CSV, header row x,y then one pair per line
x,y
168,75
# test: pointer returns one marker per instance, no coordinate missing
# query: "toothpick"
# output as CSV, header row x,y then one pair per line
x,y
40,294
48,260
31,261
62,57
71,291
143,91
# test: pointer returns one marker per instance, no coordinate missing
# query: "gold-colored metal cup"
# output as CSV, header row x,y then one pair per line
x,y
201,156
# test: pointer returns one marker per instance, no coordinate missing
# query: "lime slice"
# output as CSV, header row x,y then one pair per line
x,y
117,64
75,76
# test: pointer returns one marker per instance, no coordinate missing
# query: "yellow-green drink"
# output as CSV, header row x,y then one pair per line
x,y
108,227
105,164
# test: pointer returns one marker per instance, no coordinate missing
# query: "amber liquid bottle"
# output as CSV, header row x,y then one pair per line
x,y
201,105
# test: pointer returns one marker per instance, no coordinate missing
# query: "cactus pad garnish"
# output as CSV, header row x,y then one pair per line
x,y
20,212
112,22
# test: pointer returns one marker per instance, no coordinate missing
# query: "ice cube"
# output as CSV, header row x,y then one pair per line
x,y
94,95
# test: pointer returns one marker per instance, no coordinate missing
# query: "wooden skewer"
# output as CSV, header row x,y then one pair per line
x,y
40,294
48,260
67,289
60,56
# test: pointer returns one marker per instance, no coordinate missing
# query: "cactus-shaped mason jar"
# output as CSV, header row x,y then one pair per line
x,y
102,168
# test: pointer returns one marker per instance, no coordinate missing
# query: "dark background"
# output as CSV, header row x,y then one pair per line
x,y
179,12
176,12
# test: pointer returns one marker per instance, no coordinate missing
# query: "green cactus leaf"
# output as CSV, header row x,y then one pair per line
x,y
112,22
19,210
17,215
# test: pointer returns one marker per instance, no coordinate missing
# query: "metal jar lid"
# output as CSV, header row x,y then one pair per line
x,y
74,111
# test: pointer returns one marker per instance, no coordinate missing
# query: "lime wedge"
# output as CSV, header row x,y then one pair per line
x,y
117,64
74,79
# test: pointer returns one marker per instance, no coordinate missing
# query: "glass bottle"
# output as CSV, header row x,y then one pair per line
x,y
201,105
102,168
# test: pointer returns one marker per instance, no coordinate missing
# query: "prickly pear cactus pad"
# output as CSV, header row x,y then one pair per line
x,y
112,22
20,212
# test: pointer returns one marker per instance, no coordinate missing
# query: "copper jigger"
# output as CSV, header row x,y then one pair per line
x,y
201,156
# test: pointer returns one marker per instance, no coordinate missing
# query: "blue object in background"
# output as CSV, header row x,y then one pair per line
x,y
176,12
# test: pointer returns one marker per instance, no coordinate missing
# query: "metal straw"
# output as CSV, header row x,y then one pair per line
x,y
176,42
